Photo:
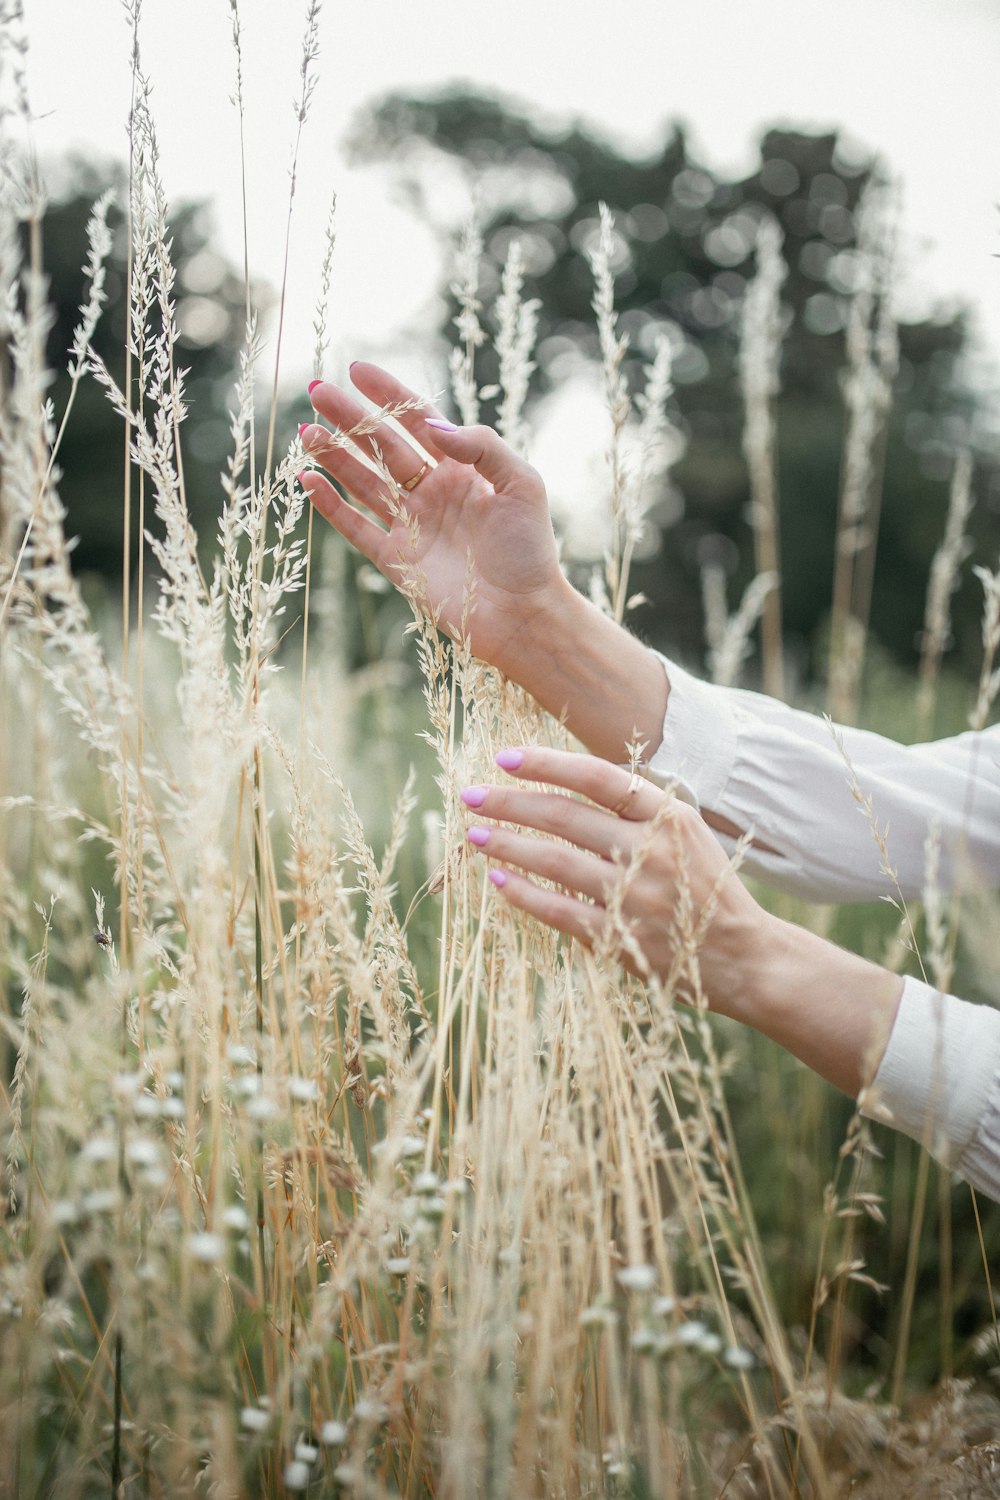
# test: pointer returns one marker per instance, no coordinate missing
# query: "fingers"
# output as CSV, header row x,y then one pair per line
x,y
352,525
480,447
491,457
380,443
577,823
362,483
613,787
564,913
586,874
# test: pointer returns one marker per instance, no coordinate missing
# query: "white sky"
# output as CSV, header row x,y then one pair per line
x,y
914,79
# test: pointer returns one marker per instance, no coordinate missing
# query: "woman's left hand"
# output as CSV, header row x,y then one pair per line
x,y
636,868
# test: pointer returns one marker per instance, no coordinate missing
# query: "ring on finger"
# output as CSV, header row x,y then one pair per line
x,y
628,800
411,484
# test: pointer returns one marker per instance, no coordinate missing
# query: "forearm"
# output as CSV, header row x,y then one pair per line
x,y
582,666
831,1009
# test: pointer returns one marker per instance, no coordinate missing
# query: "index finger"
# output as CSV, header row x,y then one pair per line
x,y
385,390
615,788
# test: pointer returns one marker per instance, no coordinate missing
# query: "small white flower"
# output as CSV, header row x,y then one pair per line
x,y
171,1108
296,1475
235,1217
143,1152
262,1108
241,1056
64,1211
127,1084
710,1343
102,1201
738,1359
398,1265
598,1315
334,1434
254,1419
366,1409
637,1278
206,1247
664,1306
174,1080
426,1182
643,1340
100,1148
408,1146
305,1453
146,1107
303,1090
691,1333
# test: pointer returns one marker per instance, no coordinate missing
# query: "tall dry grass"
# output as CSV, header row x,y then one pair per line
x,y
288,1208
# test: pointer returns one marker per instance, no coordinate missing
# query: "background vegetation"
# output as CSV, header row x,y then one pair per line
x,y
321,1172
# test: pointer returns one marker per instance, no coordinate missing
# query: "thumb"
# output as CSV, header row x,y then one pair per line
x,y
490,456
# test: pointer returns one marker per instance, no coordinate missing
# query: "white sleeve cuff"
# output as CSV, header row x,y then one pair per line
x,y
937,1071
699,739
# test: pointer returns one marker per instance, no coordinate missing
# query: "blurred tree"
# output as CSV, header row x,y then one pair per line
x,y
684,259
210,302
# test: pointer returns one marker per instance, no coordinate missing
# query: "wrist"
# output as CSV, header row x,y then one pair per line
x,y
830,1008
585,668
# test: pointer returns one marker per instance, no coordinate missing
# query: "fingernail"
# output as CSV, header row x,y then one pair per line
x,y
441,424
478,836
499,878
353,363
313,384
304,427
309,434
474,796
509,760
303,475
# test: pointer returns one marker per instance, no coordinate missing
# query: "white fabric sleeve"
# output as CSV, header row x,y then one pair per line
x,y
939,1082
780,773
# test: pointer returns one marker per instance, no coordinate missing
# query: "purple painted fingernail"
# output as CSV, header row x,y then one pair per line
x,y
509,760
313,384
441,424
474,796
478,836
499,878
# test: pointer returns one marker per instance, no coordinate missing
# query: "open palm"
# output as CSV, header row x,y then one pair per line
x,y
475,504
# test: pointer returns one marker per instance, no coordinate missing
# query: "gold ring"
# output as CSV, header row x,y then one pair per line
x,y
411,484
626,801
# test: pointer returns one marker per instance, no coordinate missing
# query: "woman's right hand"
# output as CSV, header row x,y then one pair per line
x,y
478,515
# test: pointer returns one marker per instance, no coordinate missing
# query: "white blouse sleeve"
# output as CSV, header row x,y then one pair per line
x,y
781,774
939,1082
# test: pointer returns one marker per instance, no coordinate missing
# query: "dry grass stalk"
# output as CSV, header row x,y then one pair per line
x,y
872,363
761,333
948,559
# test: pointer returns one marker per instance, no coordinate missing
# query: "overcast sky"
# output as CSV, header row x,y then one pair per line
x,y
915,80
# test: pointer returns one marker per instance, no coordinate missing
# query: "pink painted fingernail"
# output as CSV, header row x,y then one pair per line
x,y
441,424
474,796
509,760
478,836
303,475
499,878
313,384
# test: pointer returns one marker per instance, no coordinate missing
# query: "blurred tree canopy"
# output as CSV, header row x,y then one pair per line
x,y
687,251
210,312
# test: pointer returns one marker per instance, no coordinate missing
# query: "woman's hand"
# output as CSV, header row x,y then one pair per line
x,y
638,869
641,871
479,514
475,504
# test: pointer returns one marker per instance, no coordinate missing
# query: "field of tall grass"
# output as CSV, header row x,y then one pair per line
x,y
323,1171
